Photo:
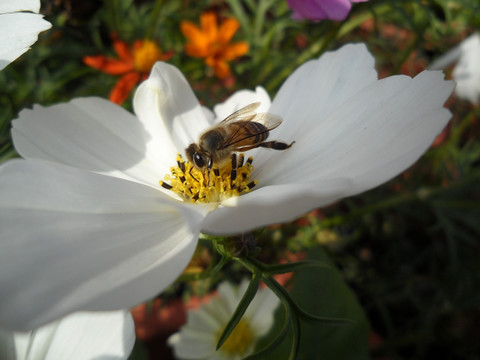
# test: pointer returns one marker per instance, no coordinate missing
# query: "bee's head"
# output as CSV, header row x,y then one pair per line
x,y
198,158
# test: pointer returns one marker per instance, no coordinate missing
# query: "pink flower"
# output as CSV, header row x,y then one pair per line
x,y
321,9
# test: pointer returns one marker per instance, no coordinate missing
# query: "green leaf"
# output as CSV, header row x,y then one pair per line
x,y
241,308
324,294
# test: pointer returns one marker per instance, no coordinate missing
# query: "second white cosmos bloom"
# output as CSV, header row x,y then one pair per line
x,y
85,225
198,338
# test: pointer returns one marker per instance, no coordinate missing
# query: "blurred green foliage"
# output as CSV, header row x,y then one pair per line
x,y
409,249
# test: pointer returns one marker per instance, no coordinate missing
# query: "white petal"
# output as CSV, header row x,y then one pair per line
x,y
206,318
378,133
208,115
467,70
18,31
240,99
192,344
102,335
92,134
230,296
271,205
93,336
73,240
316,89
7,6
169,110
217,309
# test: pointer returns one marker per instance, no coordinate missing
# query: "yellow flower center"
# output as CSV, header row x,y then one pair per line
x,y
240,341
212,185
146,55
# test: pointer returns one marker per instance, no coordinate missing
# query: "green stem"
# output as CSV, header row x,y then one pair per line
x,y
154,17
113,10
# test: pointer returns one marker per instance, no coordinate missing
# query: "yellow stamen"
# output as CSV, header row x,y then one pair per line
x,y
212,185
240,340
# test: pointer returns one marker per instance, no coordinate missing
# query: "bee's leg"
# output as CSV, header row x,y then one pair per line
x,y
233,174
276,145
193,177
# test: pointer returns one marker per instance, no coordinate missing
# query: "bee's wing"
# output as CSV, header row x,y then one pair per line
x,y
247,113
269,122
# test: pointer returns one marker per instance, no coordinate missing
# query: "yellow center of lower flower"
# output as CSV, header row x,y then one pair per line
x,y
240,340
146,55
212,185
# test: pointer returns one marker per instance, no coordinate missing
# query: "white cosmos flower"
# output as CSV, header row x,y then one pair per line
x,y
467,70
20,24
198,338
81,336
84,224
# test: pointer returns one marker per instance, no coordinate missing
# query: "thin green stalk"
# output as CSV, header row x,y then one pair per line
x,y
154,17
113,9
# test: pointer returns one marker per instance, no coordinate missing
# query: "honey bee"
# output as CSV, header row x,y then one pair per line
x,y
243,130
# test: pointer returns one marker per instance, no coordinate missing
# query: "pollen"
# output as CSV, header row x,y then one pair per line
x,y
214,185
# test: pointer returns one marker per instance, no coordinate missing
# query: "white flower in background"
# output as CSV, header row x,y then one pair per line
x,y
81,336
198,338
85,225
19,29
467,70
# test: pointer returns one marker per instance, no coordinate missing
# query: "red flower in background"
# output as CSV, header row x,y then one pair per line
x,y
133,63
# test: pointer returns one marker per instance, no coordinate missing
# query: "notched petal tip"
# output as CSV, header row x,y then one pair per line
x,y
437,84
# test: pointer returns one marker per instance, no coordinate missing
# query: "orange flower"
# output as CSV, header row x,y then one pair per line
x,y
212,42
133,63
